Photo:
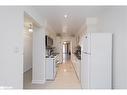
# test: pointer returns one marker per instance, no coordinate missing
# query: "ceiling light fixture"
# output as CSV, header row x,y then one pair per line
x,y
30,28
65,42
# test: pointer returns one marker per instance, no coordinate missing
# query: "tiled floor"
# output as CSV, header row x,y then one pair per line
x,y
65,79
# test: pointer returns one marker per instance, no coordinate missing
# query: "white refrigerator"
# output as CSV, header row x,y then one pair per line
x,y
96,61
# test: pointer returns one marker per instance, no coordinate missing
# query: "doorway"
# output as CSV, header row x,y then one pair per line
x,y
34,66
27,50
66,51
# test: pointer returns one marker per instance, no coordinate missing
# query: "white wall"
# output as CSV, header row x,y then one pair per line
x,y
38,66
11,48
114,20
27,55
11,51
32,12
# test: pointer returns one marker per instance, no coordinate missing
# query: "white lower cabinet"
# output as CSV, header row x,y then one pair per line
x,y
50,68
76,63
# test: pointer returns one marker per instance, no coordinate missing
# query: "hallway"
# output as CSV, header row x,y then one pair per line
x,y
65,79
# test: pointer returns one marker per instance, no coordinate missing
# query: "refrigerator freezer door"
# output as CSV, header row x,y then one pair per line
x,y
86,43
85,61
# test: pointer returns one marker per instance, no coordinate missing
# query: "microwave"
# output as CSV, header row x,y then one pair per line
x,y
48,41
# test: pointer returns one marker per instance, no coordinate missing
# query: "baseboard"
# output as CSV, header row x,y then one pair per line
x,y
38,81
75,70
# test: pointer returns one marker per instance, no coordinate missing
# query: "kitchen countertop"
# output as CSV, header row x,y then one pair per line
x,y
50,56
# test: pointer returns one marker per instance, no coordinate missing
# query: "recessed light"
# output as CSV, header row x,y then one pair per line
x,y
65,42
65,16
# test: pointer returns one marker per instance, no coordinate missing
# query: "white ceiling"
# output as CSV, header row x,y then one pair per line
x,y
76,16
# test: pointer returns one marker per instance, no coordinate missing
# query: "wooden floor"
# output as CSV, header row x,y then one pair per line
x,y
65,79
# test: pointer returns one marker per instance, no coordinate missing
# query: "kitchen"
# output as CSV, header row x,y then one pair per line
x,y
87,51
101,38
56,59
84,56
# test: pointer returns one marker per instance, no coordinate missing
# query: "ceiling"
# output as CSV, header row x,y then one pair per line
x,y
76,16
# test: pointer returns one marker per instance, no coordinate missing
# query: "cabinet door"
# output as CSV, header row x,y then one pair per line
x,y
49,69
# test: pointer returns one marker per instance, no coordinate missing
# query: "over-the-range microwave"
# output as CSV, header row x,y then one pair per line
x,y
48,41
